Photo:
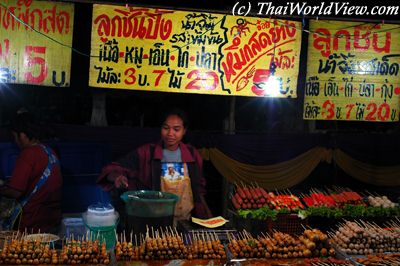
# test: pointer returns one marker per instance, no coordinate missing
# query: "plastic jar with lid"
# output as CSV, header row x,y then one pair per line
x,y
100,214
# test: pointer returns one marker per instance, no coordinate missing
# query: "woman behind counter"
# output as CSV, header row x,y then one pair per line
x,y
148,166
42,211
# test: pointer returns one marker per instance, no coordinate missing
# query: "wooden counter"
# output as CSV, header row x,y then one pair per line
x,y
259,262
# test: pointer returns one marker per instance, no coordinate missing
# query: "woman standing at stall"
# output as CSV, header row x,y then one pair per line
x,y
36,181
147,168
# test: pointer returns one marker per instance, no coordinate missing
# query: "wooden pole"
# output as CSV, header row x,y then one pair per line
x,y
229,130
99,117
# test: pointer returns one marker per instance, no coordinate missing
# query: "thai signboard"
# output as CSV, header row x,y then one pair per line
x,y
35,42
193,52
353,71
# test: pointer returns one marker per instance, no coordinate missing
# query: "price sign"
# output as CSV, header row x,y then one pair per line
x,y
353,72
193,52
30,36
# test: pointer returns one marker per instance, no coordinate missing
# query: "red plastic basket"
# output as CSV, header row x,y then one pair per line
x,y
289,224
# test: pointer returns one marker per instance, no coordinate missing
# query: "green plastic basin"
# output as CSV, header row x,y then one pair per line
x,y
149,203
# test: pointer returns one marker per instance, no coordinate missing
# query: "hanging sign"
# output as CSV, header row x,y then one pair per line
x,y
193,52
35,41
353,71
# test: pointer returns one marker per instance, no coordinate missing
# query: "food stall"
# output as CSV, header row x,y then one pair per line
x,y
239,56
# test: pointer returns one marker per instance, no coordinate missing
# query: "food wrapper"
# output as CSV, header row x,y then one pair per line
x,y
210,223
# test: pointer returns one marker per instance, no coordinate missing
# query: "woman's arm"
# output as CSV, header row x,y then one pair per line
x,y
119,173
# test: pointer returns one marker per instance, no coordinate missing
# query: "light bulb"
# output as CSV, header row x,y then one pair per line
x,y
273,86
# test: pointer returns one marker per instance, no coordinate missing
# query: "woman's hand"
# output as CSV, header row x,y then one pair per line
x,y
121,182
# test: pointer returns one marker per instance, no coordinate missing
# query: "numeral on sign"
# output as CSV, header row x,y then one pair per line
x,y
160,74
204,80
32,60
130,76
329,108
383,112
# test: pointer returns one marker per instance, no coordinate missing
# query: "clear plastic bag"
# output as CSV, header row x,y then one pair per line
x,y
9,212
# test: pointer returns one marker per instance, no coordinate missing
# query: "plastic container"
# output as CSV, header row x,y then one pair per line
x,y
101,221
147,208
73,226
103,233
100,214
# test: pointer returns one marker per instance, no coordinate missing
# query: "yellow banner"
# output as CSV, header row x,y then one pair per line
x,y
353,71
32,39
193,52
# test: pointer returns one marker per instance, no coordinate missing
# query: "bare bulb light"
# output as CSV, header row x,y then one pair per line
x,y
273,86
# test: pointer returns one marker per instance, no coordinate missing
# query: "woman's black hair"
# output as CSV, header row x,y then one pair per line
x,y
25,122
179,113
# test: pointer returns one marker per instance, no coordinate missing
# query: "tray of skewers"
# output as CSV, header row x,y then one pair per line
x,y
39,249
363,241
254,197
278,245
388,259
